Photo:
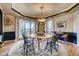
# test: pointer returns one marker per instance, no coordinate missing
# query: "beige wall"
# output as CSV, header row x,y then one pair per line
x,y
76,24
67,18
72,22
11,27
76,21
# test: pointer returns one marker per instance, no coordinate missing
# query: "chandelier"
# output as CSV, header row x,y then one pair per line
x,y
42,18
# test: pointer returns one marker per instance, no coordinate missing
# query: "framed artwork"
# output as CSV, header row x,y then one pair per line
x,y
61,24
7,21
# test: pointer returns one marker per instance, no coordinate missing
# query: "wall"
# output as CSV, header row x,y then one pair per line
x,y
72,23
68,19
11,27
76,25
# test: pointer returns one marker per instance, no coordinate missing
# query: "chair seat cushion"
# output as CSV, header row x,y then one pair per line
x,y
50,43
29,42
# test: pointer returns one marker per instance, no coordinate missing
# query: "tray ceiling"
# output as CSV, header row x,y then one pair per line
x,y
33,9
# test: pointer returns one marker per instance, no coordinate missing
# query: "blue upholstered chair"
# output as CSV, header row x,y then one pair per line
x,y
72,37
28,44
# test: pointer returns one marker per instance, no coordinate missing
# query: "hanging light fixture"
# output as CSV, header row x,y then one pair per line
x,y
42,18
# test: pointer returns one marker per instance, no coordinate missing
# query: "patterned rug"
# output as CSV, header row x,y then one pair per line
x,y
17,49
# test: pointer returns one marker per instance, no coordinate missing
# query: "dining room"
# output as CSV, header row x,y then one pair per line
x,y
39,29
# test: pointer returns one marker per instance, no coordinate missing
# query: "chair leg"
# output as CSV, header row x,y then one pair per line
x,y
33,46
56,46
46,47
51,49
56,49
34,51
26,50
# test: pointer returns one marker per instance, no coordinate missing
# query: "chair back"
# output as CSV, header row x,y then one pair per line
x,y
24,37
55,38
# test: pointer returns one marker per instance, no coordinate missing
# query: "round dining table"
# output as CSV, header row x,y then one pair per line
x,y
40,37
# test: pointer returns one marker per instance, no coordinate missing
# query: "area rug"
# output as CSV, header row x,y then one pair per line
x,y
17,50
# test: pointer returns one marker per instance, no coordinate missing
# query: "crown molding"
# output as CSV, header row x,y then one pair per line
x,y
68,10
22,14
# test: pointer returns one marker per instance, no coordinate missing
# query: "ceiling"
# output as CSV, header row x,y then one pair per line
x,y
33,9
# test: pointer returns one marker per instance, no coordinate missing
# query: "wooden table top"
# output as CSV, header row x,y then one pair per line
x,y
40,36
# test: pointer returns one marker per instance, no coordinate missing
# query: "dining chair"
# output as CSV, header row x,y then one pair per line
x,y
53,44
28,44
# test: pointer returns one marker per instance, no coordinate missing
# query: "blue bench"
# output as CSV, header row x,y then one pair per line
x,y
8,36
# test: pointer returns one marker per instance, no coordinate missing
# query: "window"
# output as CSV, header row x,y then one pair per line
x,y
21,27
27,26
49,25
33,27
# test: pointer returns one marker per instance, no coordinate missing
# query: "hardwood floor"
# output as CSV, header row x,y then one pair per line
x,y
73,50
6,46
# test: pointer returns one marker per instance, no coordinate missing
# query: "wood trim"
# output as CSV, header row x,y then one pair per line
x,y
17,29
64,11
48,16
22,14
